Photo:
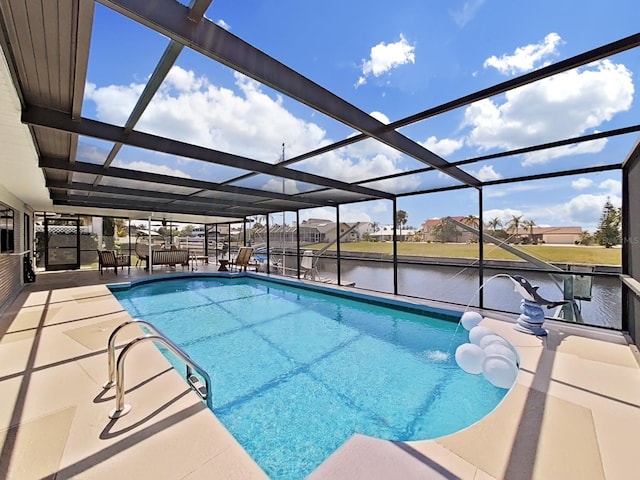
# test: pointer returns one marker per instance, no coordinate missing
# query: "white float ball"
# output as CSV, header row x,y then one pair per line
x,y
499,371
492,338
470,358
470,319
476,334
500,349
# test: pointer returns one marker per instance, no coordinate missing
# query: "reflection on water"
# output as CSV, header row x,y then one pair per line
x,y
460,286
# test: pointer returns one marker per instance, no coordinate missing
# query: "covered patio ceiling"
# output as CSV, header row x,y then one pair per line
x,y
47,49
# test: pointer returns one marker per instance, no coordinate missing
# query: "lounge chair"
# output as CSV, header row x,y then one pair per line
x,y
108,259
243,259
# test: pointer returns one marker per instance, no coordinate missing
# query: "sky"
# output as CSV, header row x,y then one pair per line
x,y
390,62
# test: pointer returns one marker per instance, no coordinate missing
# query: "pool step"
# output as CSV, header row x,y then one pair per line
x,y
197,385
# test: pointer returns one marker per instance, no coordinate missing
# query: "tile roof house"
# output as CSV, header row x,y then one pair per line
x,y
432,232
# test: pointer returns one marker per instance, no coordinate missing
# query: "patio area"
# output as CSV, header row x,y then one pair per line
x,y
571,414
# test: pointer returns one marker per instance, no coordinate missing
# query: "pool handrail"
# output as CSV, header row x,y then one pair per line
x,y
111,347
122,409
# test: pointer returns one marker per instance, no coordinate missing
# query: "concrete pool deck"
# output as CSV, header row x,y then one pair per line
x,y
573,412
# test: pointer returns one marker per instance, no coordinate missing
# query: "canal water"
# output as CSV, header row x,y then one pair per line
x,y
460,286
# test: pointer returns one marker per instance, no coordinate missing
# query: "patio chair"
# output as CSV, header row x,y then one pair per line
x,y
243,259
307,265
108,259
142,252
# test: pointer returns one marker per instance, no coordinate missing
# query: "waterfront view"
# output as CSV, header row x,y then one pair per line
x,y
460,285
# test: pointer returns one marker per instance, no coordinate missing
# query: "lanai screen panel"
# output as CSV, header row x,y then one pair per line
x,y
359,162
92,150
270,183
147,186
173,165
113,85
414,182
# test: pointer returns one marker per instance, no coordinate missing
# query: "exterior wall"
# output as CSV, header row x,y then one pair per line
x,y
11,270
10,277
631,246
326,232
467,237
310,235
387,235
561,239
364,228
330,235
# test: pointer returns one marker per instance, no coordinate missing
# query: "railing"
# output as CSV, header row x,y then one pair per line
x,y
632,284
116,369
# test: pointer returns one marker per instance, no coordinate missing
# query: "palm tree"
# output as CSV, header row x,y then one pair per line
x,y
529,224
494,223
401,218
515,223
471,220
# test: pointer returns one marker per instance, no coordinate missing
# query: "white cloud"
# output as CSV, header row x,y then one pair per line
x,y
397,185
504,214
91,153
467,12
544,156
381,117
367,159
114,103
582,183
223,24
585,210
244,121
386,56
486,173
377,206
508,189
184,80
442,147
563,106
526,58
143,166
348,213
362,160
273,185
612,187
187,107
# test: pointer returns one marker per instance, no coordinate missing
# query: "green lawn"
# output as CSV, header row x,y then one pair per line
x,y
595,255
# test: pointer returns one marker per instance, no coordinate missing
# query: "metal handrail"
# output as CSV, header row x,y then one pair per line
x,y
111,347
121,408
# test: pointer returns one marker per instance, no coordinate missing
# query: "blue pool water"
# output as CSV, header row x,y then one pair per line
x,y
296,372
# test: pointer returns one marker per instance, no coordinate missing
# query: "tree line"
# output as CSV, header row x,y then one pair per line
x,y
608,233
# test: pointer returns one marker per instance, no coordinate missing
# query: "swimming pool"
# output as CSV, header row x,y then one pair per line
x,y
295,372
